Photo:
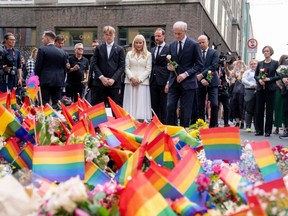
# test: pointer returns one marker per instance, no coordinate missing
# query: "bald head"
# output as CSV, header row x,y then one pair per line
x,y
203,42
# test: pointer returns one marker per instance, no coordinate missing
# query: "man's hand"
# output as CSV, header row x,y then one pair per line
x,y
166,88
204,82
199,76
110,82
261,82
171,67
181,77
20,82
105,81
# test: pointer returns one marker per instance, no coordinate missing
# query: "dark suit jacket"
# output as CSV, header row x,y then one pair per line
x,y
160,73
211,64
271,73
50,66
112,68
189,61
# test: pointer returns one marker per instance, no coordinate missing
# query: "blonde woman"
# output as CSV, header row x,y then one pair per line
x,y
138,69
31,62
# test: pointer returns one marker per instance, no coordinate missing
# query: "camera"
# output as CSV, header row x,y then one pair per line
x,y
226,58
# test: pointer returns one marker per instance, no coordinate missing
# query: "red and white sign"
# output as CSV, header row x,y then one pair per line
x,y
252,43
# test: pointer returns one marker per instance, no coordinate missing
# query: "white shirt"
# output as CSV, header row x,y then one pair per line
x,y
109,47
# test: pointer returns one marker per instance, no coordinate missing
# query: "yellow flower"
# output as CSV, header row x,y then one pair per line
x,y
194,133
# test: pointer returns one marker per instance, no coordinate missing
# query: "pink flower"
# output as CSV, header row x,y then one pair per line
x,y
217,169
203,181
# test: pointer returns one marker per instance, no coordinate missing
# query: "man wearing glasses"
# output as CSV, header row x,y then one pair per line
x,y
12,76
77,76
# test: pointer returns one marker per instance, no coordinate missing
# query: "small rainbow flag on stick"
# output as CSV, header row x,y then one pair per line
x,y
185,207
140,198
94,175
221,143
10,126
59,163
97,114
265,160
10,152
234,181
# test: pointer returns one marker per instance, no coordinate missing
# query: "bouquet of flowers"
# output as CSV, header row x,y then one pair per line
x,y
262,73
173,63
282,70
209,76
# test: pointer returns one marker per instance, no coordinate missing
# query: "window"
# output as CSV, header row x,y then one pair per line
x,y
127,34
77,35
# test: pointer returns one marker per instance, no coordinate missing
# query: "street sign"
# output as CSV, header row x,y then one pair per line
x,y
252,43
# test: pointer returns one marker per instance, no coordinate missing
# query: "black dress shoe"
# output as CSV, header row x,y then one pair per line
x,y
258,134
267,134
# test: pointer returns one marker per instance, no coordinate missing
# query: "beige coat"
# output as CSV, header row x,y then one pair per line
x,y
138,67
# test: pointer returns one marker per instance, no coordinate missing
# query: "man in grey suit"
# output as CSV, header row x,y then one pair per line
x,y
186,53
108,66
159,75
208,81
51,68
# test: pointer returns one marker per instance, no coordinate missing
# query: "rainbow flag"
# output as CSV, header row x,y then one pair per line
x,y
26,154
151,133
83,103
59,163
3,98
10,125
118,110
122,124
128,141
97,114
131,166
25,108
221,143
67,115
13,101
73,110
10,152
181,133
161,184
94,175
256,206
49,111
183,176
141,129
79,130
235,182
163,151
119,156
185,207
265,160
140,198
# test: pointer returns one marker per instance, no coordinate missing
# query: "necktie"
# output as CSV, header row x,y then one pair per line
x,y
158,51
203,55
179,48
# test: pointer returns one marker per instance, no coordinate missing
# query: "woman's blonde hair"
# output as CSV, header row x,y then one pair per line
x,y
33,53
144,51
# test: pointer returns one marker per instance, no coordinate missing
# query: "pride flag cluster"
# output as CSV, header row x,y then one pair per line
x,y
168,152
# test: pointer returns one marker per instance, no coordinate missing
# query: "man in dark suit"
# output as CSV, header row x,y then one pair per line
x,y
159,76
108,66
51,68
208,81
186,53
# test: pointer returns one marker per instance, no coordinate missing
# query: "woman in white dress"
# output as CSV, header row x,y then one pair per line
x,y
138,65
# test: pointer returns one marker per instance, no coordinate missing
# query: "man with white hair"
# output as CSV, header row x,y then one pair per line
x,y
77,76
182,81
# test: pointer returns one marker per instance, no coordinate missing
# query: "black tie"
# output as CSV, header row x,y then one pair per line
x,y
203,55
158,51
180,48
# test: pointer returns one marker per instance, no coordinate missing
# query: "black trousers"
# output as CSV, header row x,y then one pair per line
x,y
51,92
100,94
224,99
213,98
285,109
159,101
250,100
265,100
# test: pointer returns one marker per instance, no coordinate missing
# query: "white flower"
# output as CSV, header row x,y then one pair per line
x,y
168,57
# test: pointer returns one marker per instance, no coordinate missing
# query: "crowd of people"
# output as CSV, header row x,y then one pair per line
x,y
180,82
